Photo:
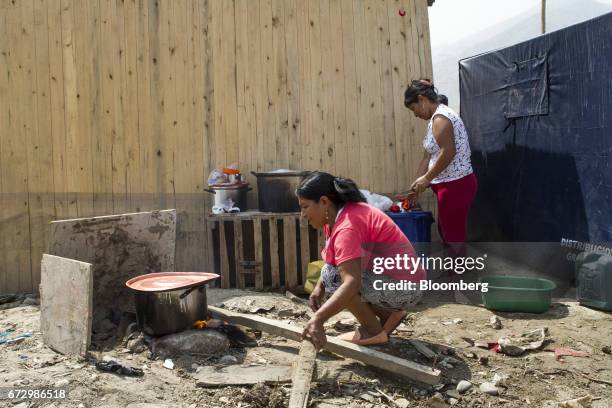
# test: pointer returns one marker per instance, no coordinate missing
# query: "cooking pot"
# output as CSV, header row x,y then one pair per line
x,y
163,308
276,190
236,192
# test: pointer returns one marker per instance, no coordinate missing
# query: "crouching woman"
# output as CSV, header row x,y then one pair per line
x,y
355,235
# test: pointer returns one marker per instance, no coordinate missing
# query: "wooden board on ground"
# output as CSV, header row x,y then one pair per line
x,y
368,356
302,375
66,304
210,376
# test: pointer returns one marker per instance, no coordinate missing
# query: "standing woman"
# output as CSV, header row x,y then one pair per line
x,y
446,166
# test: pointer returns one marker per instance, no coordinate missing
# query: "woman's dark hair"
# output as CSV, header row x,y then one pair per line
x,y
443,99
339,190
418,87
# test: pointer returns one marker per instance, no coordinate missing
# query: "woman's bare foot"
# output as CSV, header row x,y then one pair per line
x,y
394,320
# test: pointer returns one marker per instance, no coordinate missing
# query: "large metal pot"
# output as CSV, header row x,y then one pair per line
x,y
172,311
237,193
276,190
170,302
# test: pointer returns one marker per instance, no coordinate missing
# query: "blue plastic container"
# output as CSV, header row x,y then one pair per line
x,y
416,225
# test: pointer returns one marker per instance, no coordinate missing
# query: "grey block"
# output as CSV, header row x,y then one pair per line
x,y
119,247
66,304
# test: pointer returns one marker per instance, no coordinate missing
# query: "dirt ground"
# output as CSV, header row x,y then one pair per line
x,y
534,379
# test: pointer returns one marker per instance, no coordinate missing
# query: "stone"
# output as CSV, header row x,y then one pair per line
x,y
489,388
367,397
62,383
453,394
228,360
463,386
136,345
457,321
94,377
402,403
495,322
196,342
30,302
453,401
169,364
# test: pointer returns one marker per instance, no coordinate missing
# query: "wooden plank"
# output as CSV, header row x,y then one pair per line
x,y
303,48
77,102
238,254
302,375
129,89
104,137
304,247
274,254
278,86
316,142
366,355
56,93
210,249
387,136
224,264
257,242
328,132
5,127
270,84
363,66
119,154
339,102
351,86
65,321
404,123
372,83
291,272
167,105
210,376
40,147
293,51
256,84
242,72
15,226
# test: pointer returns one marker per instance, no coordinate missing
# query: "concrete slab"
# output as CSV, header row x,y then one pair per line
x,y
119,247
66,304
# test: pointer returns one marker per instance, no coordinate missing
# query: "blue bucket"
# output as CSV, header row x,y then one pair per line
x,y
416,225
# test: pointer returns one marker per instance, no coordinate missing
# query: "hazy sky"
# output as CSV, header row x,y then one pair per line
x,y
450,20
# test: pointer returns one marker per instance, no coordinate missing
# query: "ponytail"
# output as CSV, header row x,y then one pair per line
x,y
339,190
347,191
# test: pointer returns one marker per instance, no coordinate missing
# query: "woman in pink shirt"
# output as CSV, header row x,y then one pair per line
x,y
358,237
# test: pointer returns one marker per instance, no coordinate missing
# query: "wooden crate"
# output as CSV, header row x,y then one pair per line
x,y
262,249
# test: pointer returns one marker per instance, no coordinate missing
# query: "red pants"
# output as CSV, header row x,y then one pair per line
x,y
454,201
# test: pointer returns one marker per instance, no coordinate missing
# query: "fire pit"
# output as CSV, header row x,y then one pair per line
x,y
170,302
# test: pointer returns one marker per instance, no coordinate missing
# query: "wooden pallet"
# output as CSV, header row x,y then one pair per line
x,y
274,249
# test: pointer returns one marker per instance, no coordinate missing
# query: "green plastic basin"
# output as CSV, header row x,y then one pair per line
x,y
517,293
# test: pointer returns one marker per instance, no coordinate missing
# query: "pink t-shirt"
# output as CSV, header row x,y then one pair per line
x,y
360,225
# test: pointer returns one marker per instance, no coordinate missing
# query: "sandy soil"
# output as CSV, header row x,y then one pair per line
x,y
534,379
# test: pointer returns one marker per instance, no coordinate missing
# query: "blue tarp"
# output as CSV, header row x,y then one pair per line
x,y
539,117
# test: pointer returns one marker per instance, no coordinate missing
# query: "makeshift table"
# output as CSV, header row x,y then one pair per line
x,y
262,249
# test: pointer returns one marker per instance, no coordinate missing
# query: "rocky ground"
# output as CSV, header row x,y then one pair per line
x,y
535,378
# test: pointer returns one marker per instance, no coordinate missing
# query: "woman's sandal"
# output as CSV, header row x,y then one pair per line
x,y
394,320
356,338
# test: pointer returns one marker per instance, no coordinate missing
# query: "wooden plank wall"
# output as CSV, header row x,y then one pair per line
x,y
113,106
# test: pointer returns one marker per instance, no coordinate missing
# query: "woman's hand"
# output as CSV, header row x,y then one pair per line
x,y
315,332
420,184
409,195
316,297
